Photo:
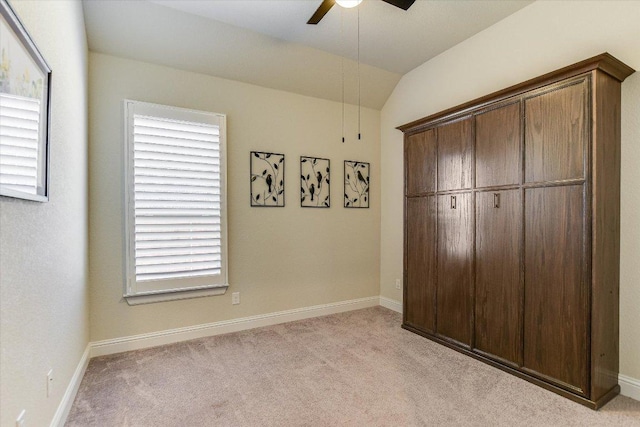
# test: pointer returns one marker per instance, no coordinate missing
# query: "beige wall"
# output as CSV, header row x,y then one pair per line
x,y
537,39
43,246
279,258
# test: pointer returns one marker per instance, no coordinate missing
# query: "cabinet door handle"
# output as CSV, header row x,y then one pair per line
x,y
496,200
453,202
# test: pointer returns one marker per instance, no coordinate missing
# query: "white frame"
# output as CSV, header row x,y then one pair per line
x,y
180,288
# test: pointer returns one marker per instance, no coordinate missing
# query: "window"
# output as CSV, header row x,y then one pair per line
x,y
175,203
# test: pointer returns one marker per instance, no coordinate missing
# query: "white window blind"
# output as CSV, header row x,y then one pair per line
x,y
19,131
177,218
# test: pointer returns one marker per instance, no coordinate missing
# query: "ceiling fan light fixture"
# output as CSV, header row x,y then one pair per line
x,y
348,3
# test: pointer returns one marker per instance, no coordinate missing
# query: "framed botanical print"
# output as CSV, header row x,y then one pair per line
x,y
356,184
267,179
315,191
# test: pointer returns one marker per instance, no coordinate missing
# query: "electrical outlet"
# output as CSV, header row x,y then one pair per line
x,y
20,419
49,382
235,298
398,284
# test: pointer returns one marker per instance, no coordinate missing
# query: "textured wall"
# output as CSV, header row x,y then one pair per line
x,y
43,246
540,38
279,258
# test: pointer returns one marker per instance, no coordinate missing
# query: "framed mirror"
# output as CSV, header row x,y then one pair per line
x,y
25,83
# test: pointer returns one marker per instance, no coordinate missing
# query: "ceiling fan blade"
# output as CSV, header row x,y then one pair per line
x,y
402,4
322,10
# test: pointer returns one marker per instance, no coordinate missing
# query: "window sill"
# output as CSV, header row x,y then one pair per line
x,y
174,295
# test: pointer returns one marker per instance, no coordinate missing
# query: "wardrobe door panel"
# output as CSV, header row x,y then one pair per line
x,y
420,166
498,147
556,293
498,318
555,134
455,267
421,263
455,155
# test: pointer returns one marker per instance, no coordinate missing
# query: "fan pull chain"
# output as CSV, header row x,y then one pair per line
x,y
342,63
359,107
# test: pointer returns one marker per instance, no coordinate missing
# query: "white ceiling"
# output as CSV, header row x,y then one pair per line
x,y
268,43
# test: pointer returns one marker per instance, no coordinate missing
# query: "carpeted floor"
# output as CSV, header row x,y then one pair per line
x,y
351,369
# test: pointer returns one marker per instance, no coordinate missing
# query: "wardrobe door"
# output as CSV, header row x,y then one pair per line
x,y
420,162
498,315
556,134
498,147
455,267
421,263
455,155
556,291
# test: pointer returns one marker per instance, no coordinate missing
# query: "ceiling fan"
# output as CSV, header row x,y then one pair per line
x,y
328,4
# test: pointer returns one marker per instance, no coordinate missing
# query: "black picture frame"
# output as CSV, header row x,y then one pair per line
x,y
266,179
357,176
315,182
25,94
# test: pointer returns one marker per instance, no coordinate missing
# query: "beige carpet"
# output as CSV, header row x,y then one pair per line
x,y
351,369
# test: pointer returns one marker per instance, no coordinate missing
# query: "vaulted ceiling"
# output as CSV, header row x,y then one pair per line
x,y
268,43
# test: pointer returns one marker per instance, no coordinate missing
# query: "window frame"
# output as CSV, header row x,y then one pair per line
x,y
178,288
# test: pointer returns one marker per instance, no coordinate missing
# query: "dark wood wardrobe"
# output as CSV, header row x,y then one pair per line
x,y
512,229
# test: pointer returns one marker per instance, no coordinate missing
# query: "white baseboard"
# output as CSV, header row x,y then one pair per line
x,y
60,417
629,387
391,304
136,342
